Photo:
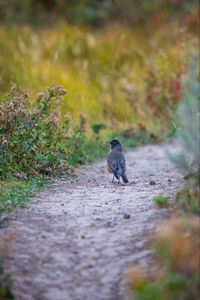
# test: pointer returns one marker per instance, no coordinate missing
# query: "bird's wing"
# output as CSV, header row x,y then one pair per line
x,y
122,169
113,164
121,165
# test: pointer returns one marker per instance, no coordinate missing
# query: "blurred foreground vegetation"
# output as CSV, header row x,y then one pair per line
x,y
175,273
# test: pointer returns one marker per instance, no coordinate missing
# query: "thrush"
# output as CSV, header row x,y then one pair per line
x,y
116,163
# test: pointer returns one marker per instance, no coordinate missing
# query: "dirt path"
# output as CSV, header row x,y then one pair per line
x,y
73,241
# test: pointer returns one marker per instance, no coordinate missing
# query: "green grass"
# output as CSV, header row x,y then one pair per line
x,y
96,146
113,76
160,200
16,192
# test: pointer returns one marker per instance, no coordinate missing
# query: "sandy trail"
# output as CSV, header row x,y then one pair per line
x,y
74,240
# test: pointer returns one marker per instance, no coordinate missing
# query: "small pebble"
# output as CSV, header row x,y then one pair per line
x,y
152,182
127,216
90,266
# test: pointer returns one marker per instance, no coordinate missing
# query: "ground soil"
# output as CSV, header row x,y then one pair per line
x,y
74,241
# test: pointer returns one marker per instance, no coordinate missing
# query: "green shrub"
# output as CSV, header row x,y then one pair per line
x,y
88,149
160,200
15,192
188,123
188,139
97,127
33,138
188,199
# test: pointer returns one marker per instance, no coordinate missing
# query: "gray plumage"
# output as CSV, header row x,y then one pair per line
x,y
116,163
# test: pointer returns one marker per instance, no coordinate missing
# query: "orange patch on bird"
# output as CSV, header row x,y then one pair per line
x,y
108,168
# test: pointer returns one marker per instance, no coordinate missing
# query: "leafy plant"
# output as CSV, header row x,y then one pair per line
x,y
188,199
160,200
15,192
33,138
188,139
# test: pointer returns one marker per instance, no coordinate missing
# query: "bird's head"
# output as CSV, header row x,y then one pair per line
x,y
115,144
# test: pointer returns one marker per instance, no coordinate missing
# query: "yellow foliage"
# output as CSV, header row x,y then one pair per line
x,y
106,72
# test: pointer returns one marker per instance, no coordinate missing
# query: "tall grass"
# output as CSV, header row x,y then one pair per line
x,y
115,75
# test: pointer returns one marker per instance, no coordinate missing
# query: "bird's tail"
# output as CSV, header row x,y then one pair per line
x,y
124,178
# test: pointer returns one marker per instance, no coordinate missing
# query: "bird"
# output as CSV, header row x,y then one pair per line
x,y
116,163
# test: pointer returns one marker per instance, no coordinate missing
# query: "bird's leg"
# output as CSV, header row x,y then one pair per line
x,y
113,179
119,180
